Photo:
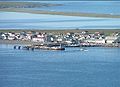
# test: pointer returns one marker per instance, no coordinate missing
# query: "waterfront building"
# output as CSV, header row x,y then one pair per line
x,y
3,36
96,41
39,38
112,39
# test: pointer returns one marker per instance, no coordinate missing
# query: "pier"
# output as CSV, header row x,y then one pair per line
x,y
46,47
62,47
32,47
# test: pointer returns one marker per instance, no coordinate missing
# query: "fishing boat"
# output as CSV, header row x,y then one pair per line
x,y
57,48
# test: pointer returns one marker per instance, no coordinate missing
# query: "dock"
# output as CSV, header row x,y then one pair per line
x,y
49,47
32,47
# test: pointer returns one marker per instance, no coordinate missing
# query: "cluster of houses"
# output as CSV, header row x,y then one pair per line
x,y
69,38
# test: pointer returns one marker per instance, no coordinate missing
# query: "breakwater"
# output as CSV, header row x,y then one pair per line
x,y
42,47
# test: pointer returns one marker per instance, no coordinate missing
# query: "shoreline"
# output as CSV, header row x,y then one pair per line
x,y
30,43
24,10
17,42
27,7
107,31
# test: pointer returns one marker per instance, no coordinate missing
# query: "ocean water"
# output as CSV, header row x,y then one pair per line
x,y
97,67
70,68
16,20
100,7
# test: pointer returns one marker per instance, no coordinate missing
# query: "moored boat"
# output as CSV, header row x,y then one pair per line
x,y
57,48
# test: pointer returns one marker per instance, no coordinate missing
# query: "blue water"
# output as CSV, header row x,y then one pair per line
x,y
70,68
100,7
14,20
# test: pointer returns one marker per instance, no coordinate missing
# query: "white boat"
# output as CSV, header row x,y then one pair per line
x,y
83,49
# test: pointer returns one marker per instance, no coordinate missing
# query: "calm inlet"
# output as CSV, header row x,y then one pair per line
x,y
16,20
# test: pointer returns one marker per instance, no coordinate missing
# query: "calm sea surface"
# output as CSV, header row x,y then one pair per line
x,y
97,67
101,7
14,20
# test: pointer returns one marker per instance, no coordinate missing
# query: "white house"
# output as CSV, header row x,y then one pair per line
x,y
68,41
98,41
112,39
11,37
59,39
3,36
39,38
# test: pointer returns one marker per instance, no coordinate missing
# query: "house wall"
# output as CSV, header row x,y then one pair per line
x,y
38,39
95,41
110,41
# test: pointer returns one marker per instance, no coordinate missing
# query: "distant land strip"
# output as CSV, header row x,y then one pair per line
x,y
58,31
8,4
59,13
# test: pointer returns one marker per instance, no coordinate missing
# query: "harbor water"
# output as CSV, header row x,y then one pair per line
x,y
96,67
73,67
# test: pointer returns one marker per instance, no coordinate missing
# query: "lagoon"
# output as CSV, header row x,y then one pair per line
x,y
17,20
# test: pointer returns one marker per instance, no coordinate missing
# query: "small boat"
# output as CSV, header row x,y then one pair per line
x,y
26,48
83,49
15,47
57,48
19,47
73,45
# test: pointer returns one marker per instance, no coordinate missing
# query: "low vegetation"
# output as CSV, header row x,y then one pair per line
x,y
106,31
21,7
25,5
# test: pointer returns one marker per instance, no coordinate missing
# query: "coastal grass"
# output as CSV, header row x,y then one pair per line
x,y
9,4
26,10
25,7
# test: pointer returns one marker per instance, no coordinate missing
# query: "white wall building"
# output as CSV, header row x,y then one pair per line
x,y
3,36
98,41
111,39
39,38
11,37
